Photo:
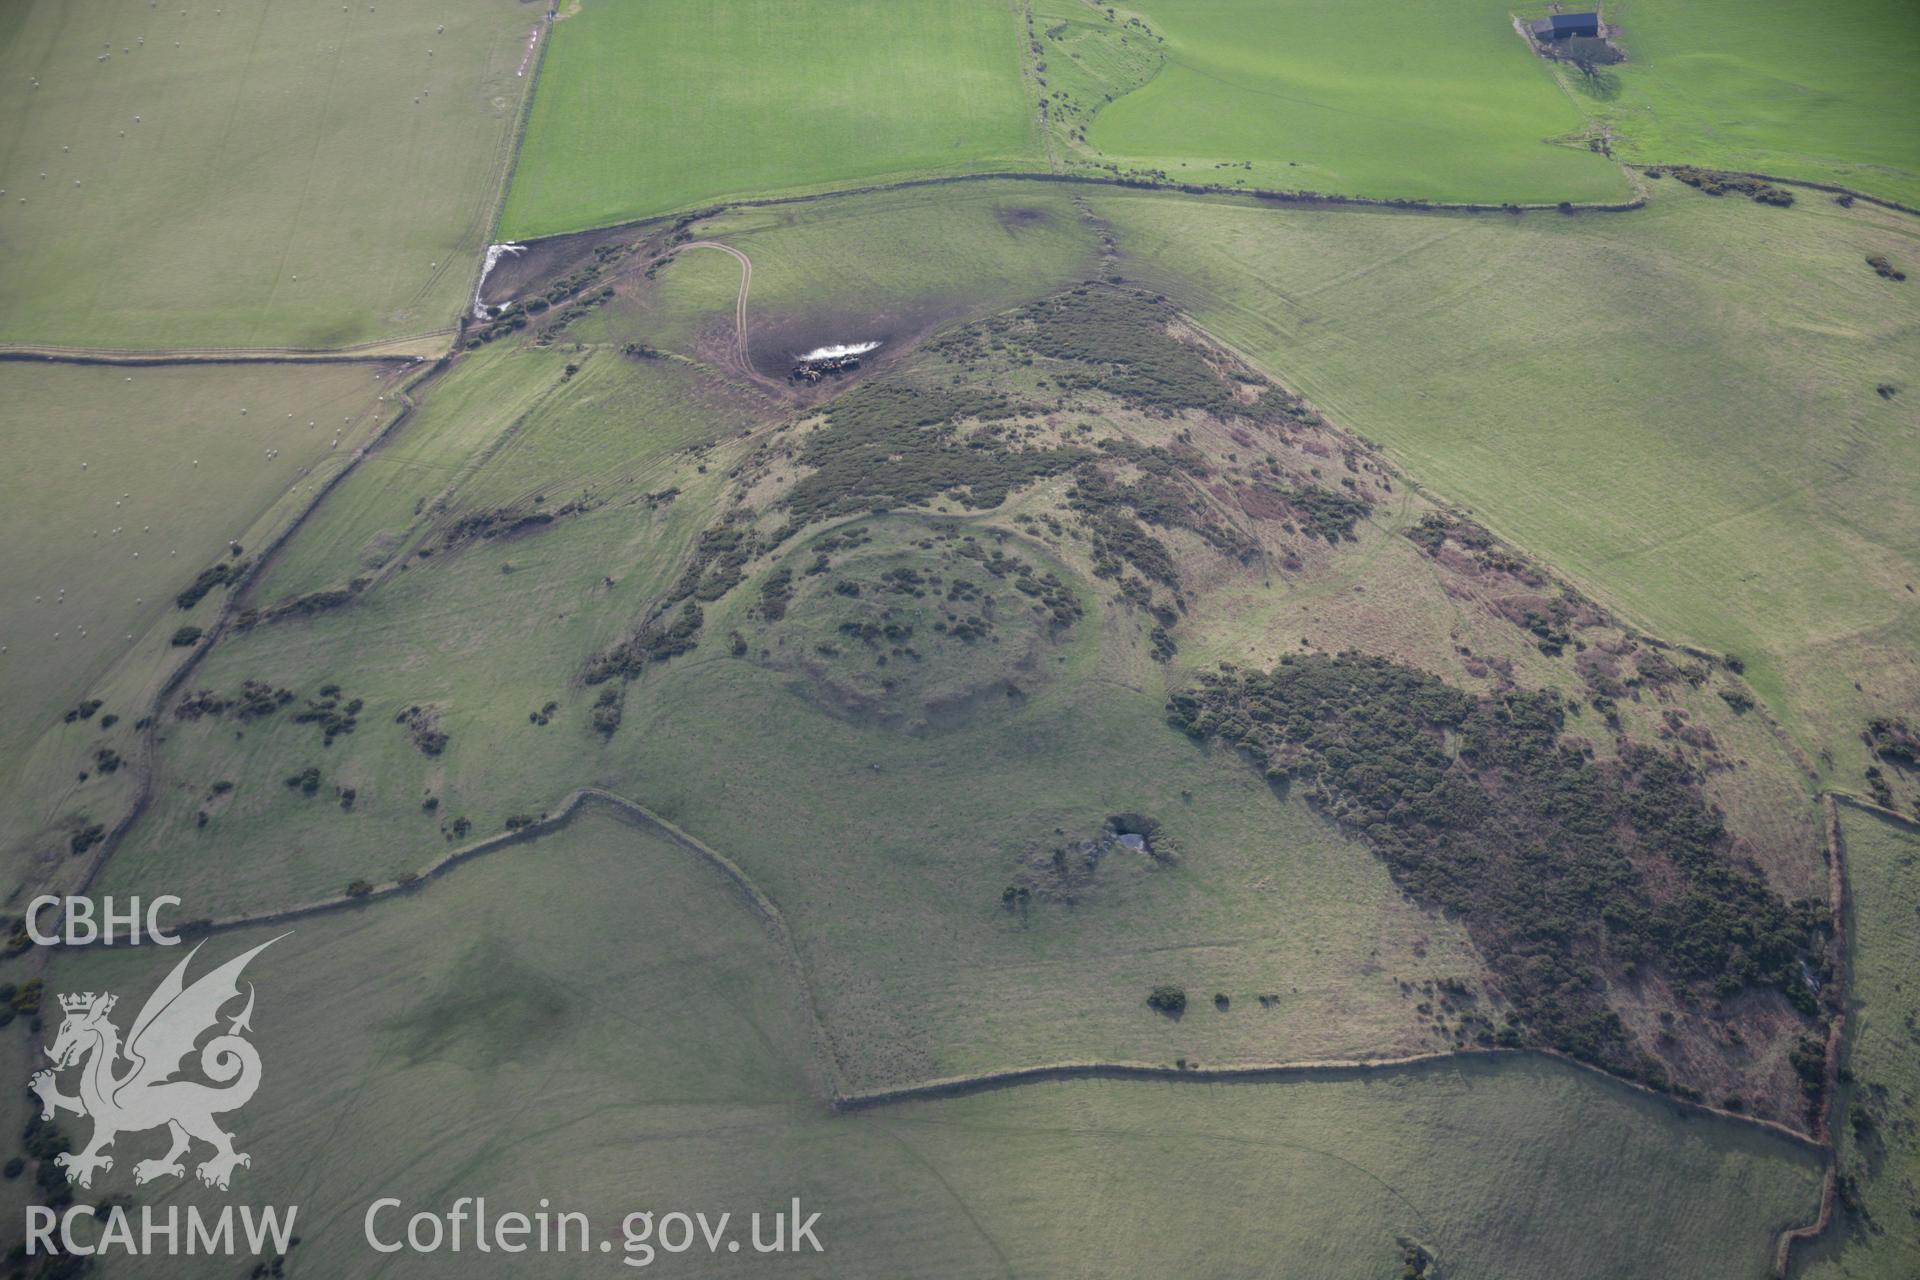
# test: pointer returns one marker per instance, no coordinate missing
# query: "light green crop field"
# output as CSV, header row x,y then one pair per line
x,y
1877,1119
479,1037
249,174
1797,89
649,108
1435,101
1675,406
130,482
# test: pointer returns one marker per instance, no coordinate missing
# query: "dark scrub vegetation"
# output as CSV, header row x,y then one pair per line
x,y
257,699
219,575
1716,183
423,726
887,445
1119,338
1565,870
655,642
1885,269
1894,740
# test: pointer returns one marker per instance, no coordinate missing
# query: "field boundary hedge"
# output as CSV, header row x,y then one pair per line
x,y
377,351
1302,199
1830,188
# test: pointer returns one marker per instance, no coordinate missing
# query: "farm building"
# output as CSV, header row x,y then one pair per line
x,y
1563,26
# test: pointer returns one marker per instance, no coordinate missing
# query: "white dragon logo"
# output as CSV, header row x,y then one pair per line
x,y
145,1095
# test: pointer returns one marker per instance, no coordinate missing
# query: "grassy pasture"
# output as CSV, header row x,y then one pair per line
x,y
650,108
1430,101
894,894
479,1037
174,469
887,265
1675,407
511,427
1878,1233
1798,89
298,175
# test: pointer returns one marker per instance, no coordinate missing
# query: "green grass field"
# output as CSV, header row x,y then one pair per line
x,y
1432,101
132,481
1878,1231
650,108
1675,406
478,1037
1798,89
249,174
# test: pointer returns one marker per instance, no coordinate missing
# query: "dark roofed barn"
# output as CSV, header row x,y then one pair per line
x,y
1563,26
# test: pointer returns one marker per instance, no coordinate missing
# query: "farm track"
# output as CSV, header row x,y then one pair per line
x,y
743,354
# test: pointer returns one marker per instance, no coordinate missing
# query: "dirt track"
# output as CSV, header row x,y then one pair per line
x,y
741,352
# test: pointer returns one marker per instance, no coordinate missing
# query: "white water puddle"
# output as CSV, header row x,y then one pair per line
x,y
839,352
494,253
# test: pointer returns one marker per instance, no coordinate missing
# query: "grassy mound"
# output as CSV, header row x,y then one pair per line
x,y
914,624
